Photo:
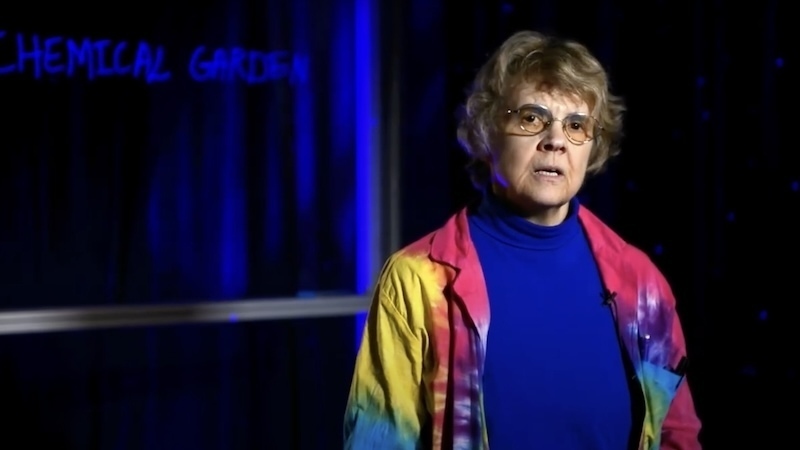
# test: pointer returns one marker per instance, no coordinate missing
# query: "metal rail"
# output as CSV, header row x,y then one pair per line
x,y
85,318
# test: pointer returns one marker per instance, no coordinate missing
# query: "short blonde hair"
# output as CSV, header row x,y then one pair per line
x,y
562,65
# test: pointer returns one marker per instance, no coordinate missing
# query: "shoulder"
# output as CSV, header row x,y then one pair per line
x,y
428,261
412,265
411,281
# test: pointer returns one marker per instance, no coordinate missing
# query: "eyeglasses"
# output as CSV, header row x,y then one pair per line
x,y
534,119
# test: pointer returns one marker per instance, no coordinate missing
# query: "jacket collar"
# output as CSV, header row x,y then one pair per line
x,y
453,246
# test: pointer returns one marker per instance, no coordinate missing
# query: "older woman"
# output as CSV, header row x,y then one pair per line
x,y
525,322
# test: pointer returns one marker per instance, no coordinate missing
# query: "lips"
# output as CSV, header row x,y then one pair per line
x,y
552,171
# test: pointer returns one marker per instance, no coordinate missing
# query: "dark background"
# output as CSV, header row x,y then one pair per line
x,y
116,192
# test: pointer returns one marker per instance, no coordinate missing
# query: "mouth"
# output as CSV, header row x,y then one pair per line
x,y
548,171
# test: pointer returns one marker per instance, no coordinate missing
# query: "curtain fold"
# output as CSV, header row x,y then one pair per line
x,y
173,153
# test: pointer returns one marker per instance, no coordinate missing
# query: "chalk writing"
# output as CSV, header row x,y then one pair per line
x,y
58,55
251,66
40,57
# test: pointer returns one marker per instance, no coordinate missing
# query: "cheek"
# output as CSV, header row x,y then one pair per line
x,y
580,162
515,155
512,166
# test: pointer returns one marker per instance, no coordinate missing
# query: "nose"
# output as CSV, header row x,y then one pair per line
x,y
554,139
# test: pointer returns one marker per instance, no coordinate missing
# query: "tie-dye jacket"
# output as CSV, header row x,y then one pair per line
x,y
417,381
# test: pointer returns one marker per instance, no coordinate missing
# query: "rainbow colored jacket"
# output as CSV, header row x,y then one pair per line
x,y
417,381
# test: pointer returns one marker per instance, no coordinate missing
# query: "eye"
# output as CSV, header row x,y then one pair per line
x,y
531,118
580,127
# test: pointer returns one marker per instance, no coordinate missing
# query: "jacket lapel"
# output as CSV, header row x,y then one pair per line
x,y
618,280
452,246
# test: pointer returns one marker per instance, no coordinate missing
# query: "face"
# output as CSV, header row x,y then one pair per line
x,y
539,174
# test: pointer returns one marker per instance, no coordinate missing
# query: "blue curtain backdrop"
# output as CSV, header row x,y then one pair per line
x,y
168,152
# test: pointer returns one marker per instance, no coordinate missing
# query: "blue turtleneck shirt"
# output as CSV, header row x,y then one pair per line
x,y
554,376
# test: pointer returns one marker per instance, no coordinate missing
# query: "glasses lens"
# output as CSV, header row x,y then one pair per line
x,y
580,128
533,120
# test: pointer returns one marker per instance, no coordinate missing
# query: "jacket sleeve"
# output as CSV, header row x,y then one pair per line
x,y
681,427
385,408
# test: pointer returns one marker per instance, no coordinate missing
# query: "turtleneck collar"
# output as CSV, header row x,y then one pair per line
x,y
496,219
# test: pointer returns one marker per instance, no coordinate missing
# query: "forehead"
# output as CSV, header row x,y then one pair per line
x,y
555,100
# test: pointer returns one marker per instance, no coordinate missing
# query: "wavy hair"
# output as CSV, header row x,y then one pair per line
x,y
546,62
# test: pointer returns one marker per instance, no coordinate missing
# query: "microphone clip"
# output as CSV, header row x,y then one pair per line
x,y
608,297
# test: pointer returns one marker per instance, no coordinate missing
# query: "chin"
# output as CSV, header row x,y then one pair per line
x,y
536,197
545,205
548,200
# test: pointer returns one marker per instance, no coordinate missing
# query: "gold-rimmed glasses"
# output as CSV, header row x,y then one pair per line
x,y
535,119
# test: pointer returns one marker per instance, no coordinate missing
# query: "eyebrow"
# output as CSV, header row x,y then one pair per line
x,y
539,105
532,104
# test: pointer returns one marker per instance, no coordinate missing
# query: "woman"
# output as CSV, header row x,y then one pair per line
x,y
525,322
